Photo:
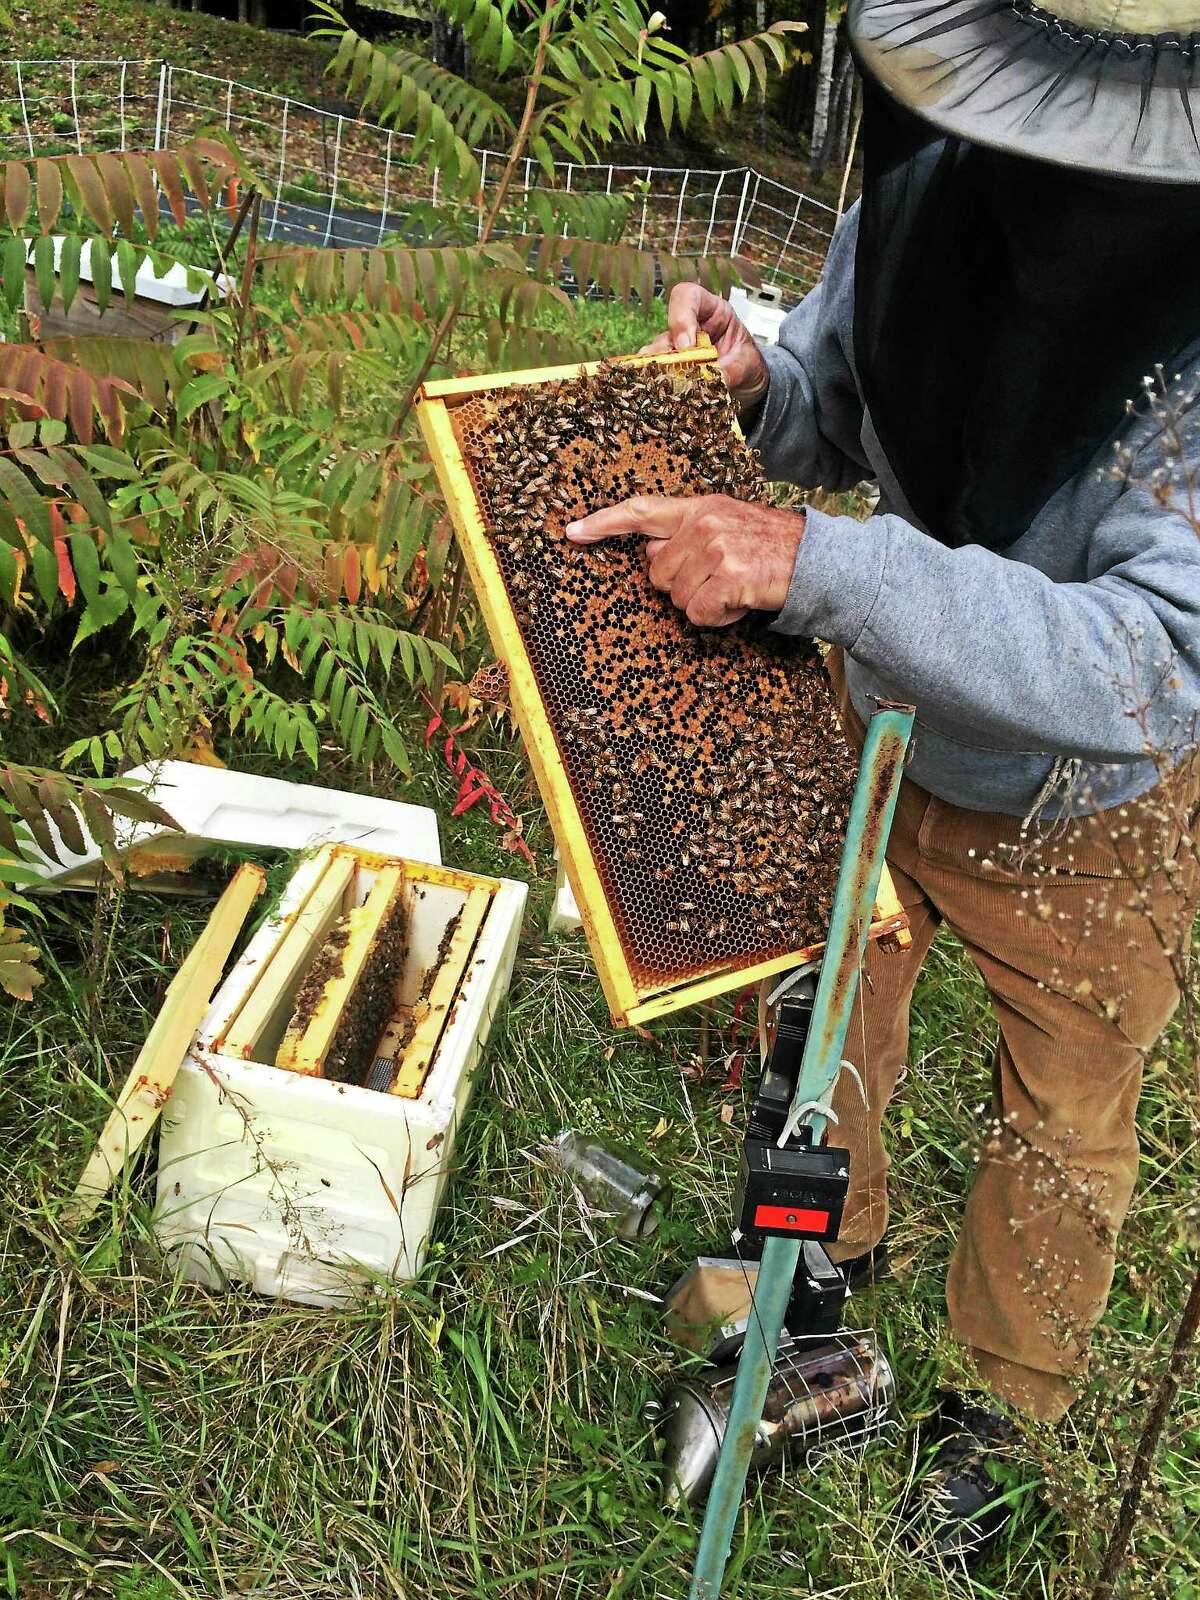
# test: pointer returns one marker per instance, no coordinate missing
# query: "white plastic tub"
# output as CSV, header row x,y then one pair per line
x,y
300,1186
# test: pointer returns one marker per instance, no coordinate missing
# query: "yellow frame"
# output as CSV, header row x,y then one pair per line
x,y
326,901
433,1014
627,1002
304,1049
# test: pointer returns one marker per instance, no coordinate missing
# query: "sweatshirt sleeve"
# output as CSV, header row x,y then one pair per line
x,y
995,652
808,429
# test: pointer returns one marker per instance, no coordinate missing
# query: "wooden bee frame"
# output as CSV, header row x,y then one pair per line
x,y
629,1000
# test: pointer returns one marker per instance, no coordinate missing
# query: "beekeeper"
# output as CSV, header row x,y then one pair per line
x,y
985,343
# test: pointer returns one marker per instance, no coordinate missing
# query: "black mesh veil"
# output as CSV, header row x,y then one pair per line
x,y
1005,311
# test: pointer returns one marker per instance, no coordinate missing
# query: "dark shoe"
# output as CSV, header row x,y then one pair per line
x,y
865,1271
957,1510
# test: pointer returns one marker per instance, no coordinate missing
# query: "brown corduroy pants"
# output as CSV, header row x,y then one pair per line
x,y
1077,949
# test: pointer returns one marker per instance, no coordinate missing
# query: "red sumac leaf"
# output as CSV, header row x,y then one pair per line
x,y
80,394
17,193
167,168
352,575
333,572
49,194
467,801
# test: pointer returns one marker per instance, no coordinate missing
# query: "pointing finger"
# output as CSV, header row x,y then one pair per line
x,y
656,516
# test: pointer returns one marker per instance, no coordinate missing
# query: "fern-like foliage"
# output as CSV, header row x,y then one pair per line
x,y
423,276
40,384
106,210
49,814
608,67
487,25
445,114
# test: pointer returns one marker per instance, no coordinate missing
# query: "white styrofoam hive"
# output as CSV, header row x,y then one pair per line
x,y
307,1188
178,286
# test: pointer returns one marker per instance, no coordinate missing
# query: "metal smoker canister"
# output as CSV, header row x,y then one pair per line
x,y
611,1184
837,1391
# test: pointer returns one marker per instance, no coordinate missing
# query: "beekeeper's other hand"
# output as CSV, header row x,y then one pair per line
x,y
693,310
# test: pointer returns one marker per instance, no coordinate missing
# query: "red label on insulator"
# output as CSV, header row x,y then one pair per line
x,y
794,1218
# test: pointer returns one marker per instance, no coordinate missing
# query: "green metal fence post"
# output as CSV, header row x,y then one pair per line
x,y
871,812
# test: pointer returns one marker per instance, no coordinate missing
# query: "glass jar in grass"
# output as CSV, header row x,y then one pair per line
x,y
611,1183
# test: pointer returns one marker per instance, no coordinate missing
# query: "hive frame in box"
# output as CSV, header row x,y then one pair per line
x,y
298,1185
628,1001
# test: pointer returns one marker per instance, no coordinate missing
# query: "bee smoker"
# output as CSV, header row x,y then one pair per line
x,y
824,1393
827,1388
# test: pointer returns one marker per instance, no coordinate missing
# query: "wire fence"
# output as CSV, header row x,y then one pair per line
x,y
336,179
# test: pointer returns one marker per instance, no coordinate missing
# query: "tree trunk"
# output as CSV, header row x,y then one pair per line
x,y
449,46
760,24
845,83
820,122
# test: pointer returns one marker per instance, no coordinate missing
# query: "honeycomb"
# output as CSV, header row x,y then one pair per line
x,y
709,769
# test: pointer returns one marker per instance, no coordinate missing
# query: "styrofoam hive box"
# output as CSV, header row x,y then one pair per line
x,y
297,1185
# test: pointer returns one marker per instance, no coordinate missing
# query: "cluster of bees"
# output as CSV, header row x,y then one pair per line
x,y
368,1008
708,765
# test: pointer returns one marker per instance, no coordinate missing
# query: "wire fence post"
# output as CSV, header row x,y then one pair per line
x,y
787,243
741,212
229,105
166,127
482,202
387,185
75,109
337,158
121,103
645,204
679,211
160,104
283,133
712,216
24,109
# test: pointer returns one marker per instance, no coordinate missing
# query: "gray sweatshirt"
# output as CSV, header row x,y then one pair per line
x,y
1042,674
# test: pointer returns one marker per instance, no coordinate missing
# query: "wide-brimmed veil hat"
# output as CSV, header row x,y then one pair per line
x,y
1112,86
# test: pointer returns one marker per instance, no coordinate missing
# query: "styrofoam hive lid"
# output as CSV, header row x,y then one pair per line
x,y
215,805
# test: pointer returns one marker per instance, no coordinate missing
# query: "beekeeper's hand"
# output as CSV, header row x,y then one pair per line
x,y
693,310
716,557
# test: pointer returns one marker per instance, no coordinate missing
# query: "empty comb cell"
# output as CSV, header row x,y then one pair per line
x,y
697,780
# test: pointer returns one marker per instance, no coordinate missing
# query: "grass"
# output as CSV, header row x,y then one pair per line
x,y
147,30
478,1433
